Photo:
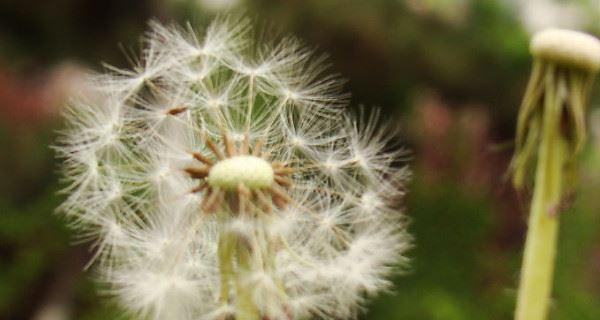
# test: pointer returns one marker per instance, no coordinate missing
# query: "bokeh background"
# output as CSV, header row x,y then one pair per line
x,y
448,73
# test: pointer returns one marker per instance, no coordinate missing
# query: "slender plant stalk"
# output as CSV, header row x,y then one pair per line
x,y
225,252
540,247
233,250
245,307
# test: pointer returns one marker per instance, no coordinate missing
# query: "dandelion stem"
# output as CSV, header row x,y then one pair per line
x,y
245,307
225,254
540,247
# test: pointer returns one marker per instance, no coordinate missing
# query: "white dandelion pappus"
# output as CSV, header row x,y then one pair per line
x,y
221,179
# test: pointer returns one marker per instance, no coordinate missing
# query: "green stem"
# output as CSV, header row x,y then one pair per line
x,y
540,248
245,307
225,254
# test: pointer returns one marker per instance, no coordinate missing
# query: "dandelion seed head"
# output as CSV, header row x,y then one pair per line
x,y
221,177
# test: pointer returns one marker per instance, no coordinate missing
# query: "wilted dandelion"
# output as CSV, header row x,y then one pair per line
x,y
221,179
551,132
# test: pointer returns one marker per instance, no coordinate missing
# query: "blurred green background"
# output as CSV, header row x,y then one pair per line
x,y
448,73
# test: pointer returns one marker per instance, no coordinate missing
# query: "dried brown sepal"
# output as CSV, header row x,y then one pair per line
x,y
229,146
214,148
197,172
200,157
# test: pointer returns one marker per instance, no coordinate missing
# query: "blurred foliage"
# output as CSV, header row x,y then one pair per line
x,y
468,226
457,274
446,267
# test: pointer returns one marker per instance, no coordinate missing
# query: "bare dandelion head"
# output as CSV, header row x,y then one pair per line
x,y
572,48
564,67
221,179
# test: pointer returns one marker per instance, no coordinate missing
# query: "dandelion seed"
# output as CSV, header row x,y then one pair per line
x,y
221,182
